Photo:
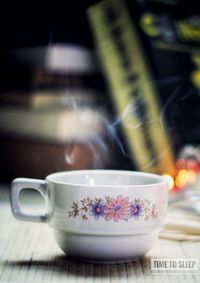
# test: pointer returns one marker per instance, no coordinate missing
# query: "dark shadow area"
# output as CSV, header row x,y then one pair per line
x,y
63,264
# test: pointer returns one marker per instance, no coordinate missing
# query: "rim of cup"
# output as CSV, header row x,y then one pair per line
x,y
154,179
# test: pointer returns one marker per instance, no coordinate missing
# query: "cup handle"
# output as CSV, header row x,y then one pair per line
x,y
24,183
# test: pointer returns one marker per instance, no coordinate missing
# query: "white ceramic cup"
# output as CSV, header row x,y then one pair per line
x,y
99,215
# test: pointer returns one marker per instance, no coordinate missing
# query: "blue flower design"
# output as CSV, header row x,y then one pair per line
x,y
135,210
97,209
117,208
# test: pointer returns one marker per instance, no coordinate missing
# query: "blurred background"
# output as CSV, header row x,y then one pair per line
x,y
118,88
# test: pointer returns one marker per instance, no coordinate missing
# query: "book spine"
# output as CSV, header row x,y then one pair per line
x,y
133,94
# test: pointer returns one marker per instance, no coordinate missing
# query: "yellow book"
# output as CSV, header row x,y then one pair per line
x,y
133,95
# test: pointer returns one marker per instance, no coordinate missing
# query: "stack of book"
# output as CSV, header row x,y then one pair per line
x,y
54,124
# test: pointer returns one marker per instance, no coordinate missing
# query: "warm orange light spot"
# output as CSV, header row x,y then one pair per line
x,y
181,179
180,182
170,181
182,174
191,176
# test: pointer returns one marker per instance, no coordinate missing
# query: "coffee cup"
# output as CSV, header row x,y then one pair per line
x,y
102,216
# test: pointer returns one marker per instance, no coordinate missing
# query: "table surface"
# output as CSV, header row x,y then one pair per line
x,y
28,253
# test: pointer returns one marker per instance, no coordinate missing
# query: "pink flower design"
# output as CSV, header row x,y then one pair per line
x,y
117,209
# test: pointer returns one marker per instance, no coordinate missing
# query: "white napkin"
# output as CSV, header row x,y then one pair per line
x,y
181,224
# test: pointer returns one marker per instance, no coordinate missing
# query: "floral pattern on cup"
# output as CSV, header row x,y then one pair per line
x,y
115,209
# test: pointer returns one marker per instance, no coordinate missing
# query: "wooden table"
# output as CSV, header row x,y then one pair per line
x,y
28,253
